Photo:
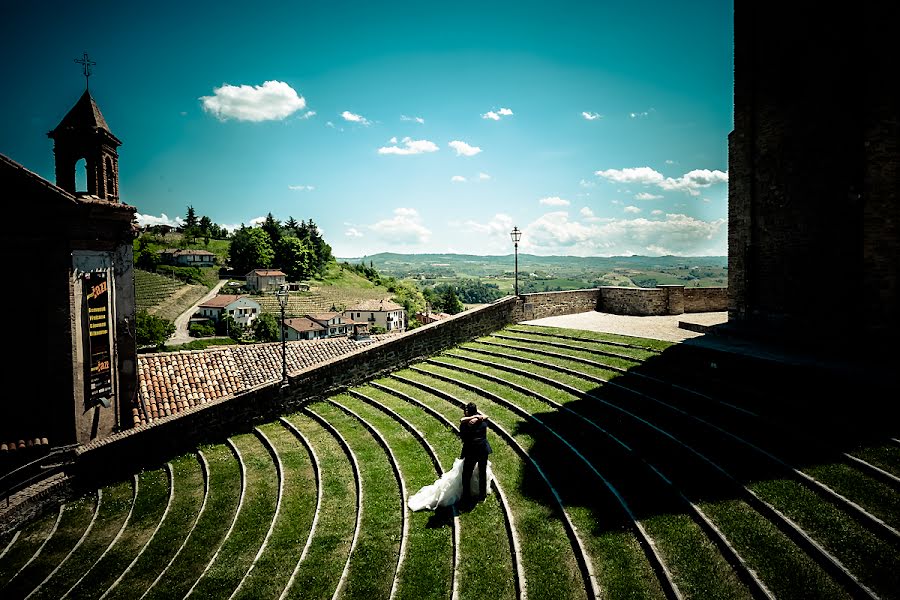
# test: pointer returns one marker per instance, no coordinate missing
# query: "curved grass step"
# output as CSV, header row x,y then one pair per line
x,y
75,520
373,561
514,466
26,545
188,495
151,501
788,527
274,565
341,402
114,510
318,575
430,569
595,503
251,526
224,491
785,447
485,562
691,555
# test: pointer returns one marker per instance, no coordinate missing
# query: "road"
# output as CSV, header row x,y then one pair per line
x,y
181,335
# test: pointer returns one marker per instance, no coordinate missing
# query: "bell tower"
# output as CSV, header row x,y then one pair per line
x,y
84,134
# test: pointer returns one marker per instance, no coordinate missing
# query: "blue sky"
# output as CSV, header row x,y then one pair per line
x,y
598,128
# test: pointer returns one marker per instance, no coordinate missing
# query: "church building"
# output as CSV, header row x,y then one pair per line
x,y
70,368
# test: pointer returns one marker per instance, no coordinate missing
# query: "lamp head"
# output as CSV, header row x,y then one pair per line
x,y
516,235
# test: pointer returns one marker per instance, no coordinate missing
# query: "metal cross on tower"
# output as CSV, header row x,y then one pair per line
x,y
86,64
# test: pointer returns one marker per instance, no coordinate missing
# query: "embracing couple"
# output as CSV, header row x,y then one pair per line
x,y
458,484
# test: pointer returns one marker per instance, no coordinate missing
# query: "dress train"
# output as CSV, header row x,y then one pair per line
x,y
447,490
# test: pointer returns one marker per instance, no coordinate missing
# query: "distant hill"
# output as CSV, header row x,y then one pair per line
x,y
541,273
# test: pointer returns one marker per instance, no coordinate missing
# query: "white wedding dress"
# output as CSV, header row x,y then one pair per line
x,y
448,489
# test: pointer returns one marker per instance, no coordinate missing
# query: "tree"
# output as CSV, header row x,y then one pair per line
x,y
266,328
410,298
191,218
273,228
151,330
450,302
295,257
250,248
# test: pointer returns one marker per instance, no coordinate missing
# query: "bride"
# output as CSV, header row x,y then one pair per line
x,y
447,490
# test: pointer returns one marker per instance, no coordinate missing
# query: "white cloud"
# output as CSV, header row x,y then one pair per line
x,y
632,209
483,177
500,225
689,182
419,120
669,161
393,140
496,116
656,212
693,180
329,124
410,146
271,101
586,212
353,118
302,188
591,116
405,227
163,219
646,196
677,234
644,175
554,201
457,178
464,149
353,232
587,184
308,114
638,115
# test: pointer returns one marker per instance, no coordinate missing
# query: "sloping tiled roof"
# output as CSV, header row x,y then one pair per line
x,y
173,382
221,301
325,316
375,306
302,324
85,114
266,273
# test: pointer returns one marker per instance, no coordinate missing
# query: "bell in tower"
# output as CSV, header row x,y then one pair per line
x,y
84,134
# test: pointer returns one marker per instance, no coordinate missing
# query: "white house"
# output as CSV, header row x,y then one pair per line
x,y
243,309
188,258
301,328
265,280
378,313
334,323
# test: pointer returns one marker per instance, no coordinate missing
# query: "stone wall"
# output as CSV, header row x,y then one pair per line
x,y
548,304
662,300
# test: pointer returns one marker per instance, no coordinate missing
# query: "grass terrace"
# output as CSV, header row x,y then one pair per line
x,y
622,471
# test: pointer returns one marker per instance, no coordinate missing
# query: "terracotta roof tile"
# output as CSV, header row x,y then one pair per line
x,y
172,382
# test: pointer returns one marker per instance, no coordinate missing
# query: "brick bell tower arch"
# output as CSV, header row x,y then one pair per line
x,y
83,133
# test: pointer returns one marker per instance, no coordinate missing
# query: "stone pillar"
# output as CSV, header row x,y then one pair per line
x,y
674,299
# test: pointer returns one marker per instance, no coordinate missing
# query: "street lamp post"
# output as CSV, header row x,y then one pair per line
x,y
282,295
516,235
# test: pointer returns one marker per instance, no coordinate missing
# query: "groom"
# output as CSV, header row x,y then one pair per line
x,y
475,450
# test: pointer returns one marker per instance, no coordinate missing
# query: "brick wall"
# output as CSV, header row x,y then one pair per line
x,y
705,299
662,300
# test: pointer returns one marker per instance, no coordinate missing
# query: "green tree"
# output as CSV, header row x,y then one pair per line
x,y
191,218
273,228
250,248
152,331
266,328
295,257
407,295
450,301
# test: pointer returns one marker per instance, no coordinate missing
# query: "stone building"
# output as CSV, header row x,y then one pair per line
x,y
814,214
70,372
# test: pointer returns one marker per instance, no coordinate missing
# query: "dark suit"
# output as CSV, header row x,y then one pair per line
x,y
475,449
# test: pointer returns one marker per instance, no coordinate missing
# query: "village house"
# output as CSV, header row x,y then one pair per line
x,y
334,323
187,258
430,317
386,314
302,328
265,280
243,309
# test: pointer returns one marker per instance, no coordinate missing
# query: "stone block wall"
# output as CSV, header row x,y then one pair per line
x,y
662,300
548,304
705,299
